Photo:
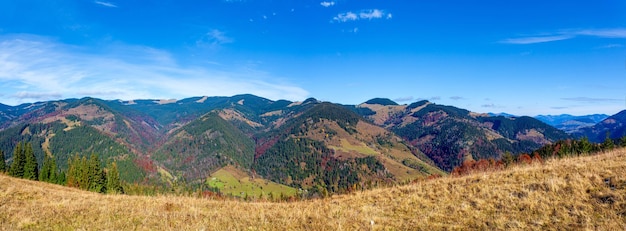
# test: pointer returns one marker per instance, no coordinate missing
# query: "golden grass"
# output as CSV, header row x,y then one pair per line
x,y
575,193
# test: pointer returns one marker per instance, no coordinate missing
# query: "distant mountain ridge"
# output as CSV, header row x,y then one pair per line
x,y
570,123
319,146
614,126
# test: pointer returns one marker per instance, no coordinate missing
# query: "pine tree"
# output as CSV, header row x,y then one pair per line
x,y
585,147
61,178
97,180
44,174
622,142
31,168
48,171
114,185
608,143
83,173
17,166
3,165
72,172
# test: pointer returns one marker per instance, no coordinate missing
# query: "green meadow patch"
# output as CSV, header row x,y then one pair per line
x,y
230,180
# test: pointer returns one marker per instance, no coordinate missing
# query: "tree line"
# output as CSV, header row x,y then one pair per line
x,y
84,173
559,149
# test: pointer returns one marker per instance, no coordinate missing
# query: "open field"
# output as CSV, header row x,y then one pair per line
x,y
575,193
231,180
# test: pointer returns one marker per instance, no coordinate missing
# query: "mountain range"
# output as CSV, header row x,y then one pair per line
x,y
311,145
570,123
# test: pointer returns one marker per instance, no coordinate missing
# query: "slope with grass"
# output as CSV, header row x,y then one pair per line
x,y
233,181
575,193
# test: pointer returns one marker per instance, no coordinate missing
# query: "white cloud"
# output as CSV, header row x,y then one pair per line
x,y
568,34
36,95
107,4
363,14
603,33
36,68
371,14
404,99
327,4
344,17
214,39
533,40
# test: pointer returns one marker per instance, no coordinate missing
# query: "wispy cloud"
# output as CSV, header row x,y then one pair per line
x,y
327,4
22,95
568,34
603,33
533,40
363,14
491,105
213,39
592,100
404,99
107,4
35,68
456,98
609,46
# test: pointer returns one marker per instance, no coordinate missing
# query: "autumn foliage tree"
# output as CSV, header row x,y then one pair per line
x,y
482,165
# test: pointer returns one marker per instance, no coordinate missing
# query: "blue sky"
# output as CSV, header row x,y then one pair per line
x,y
521,57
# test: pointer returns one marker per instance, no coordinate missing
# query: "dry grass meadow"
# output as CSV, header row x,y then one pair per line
x,y
585,193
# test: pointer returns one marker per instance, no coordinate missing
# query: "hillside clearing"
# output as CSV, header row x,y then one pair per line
x,y
575,193
230,180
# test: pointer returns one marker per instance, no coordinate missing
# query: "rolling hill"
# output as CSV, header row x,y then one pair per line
x,y
614,126
528,197
450,135
570,123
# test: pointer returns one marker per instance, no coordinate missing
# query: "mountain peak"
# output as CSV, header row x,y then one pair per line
x,y
381,101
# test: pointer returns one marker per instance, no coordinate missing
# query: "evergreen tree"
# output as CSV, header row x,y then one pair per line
x,y
584,146
608,143
44,173
31,167
61,179
83,173
48,171
622,142
3,165
114,186
17,166
97,179
72,172
76,173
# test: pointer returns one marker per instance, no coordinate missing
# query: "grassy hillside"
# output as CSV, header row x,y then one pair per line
x,y
576,193
233,181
